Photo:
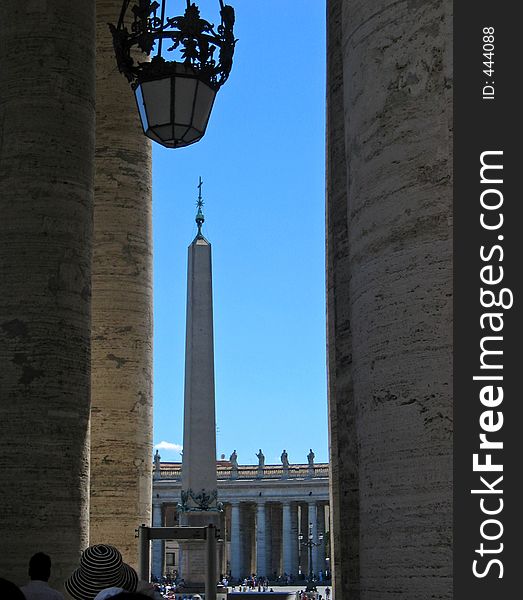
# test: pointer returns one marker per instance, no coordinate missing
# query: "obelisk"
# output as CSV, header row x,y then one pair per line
x,y
199,505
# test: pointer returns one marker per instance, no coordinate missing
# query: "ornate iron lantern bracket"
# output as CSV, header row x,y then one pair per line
x,y
196,39
174,97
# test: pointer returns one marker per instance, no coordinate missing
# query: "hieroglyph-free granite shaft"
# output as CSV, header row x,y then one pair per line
x,y
199,440
199,488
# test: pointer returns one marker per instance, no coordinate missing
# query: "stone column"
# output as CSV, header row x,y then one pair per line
x,y
121,413
305,553
389,296
320,565
294,539
270,551
343,440
287,537
234,559
261,550
275,531
222,546
254,540
247,539
47,119
158,546
313,519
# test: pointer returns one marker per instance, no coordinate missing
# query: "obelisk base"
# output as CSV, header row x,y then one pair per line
x,y
193,563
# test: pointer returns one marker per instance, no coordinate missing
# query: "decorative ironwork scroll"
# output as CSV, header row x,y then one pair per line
x,y
204,48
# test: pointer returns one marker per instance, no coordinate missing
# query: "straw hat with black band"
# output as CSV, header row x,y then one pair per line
x,y
101,566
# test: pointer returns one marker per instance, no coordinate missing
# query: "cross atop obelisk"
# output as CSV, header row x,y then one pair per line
x,y
199,215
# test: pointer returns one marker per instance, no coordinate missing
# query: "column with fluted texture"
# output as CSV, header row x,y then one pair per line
x,y
47,119
121,413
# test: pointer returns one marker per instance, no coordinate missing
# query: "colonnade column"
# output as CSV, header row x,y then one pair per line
x,y
379,238
294,539
222,546
313,518
158,546
47,83
303,529
121,314
261,550
235,539
269,541
320,566
287,538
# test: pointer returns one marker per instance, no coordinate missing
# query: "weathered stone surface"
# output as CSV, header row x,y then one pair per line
x,y
390,299
46,193
342,428
121,416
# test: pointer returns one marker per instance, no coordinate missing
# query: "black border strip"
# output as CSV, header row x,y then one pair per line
x,y
486,119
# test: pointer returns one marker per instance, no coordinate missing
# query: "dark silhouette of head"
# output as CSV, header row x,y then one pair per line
x,y
9,590
40,567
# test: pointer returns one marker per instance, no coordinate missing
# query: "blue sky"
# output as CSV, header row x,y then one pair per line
x,y
262,161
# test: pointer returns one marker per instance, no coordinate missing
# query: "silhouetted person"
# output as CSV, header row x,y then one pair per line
x,y
39,572
9,591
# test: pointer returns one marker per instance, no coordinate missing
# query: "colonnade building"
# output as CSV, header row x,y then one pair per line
x,y
265,509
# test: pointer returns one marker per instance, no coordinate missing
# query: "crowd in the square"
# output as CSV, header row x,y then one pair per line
x,y
101,575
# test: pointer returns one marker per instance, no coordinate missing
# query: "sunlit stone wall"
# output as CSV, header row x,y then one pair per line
x,y
121,415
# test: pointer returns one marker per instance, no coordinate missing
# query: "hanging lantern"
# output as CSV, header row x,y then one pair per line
x,y
174,98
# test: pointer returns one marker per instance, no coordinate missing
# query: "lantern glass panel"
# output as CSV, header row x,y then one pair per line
x,y
157,100
184,92
164,132
192,135
141,107
202,110
180,131
151,134
175,110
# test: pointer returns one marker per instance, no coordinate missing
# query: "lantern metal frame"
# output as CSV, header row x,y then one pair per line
x,y
206,51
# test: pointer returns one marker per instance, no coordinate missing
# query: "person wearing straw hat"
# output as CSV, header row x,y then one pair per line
x,y
101,567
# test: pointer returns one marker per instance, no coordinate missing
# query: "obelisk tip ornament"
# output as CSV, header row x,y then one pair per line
x,y
200,219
